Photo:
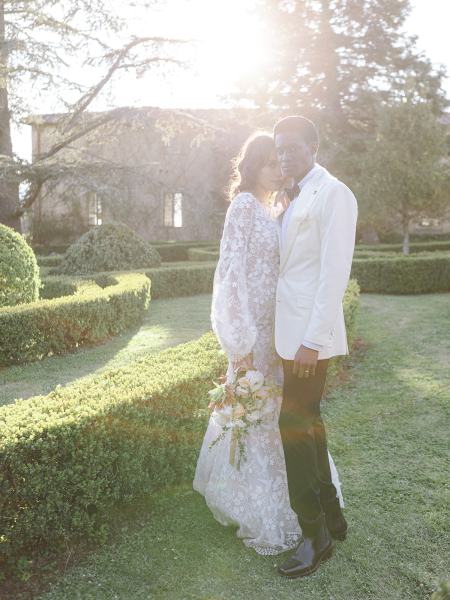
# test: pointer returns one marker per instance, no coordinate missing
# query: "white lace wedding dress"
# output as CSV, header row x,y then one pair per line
x,y
255,497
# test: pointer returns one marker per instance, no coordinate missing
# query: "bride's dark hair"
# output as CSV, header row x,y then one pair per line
x,y
253,156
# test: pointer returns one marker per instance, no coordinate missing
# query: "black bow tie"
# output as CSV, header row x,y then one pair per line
x,y
293,192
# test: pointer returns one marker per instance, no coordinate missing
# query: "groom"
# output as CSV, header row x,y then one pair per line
x,y
317,237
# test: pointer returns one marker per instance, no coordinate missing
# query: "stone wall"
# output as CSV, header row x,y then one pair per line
x,y
148,154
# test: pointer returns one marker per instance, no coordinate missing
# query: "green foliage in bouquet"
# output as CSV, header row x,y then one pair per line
x,y
19,272
109,247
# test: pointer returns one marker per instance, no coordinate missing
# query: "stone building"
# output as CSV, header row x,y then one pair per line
x,y
163,172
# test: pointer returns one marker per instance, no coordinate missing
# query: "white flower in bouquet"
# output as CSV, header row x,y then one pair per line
x,y
241,405
223,415
251,382
254,416
256,379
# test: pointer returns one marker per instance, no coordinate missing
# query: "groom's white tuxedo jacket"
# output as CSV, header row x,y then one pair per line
x,y
316,253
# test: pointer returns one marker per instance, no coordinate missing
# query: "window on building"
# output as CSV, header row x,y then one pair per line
x,y
95,209
173,210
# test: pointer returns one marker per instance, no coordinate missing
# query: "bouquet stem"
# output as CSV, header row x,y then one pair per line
x,y
233,447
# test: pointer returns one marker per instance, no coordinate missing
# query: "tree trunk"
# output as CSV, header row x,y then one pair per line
x,y
9,191
406,222
331,83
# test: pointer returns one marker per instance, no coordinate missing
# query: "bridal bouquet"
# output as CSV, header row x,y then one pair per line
x,y
240,405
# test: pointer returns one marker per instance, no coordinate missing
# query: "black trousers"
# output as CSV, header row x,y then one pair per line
x,y
305,443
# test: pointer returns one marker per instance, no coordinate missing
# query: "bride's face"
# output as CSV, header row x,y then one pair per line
x,y
270,177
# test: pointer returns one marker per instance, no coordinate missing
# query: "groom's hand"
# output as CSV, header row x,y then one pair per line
x,y
305,362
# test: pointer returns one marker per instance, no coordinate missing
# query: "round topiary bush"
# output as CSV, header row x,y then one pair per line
x,y
19,271
109,247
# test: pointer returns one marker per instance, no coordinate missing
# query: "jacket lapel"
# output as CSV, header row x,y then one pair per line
x,y
303,203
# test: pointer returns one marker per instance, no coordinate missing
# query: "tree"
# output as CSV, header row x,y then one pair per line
x,y
39,40
332,59
405,170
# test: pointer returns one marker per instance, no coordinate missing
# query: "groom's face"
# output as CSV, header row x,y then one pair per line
x,y
296,157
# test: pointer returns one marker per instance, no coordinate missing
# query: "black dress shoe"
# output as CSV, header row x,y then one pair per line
x,y
315,547
336,523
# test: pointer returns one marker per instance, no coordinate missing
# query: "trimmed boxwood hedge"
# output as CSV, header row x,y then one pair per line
x,y
203,254
403,274
414,247
19,272
53,260
56,287
44,250
44,328
108,247
175,281
65,458
178,251
93,314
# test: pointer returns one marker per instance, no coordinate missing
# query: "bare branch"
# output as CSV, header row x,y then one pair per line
x,y
118,58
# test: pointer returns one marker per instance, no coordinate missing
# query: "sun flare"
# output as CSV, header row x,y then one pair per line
x,y
231,44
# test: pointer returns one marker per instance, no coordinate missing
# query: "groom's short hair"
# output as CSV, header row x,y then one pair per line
x,y
297,124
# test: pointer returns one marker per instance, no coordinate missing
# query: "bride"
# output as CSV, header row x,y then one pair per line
x,y
255,497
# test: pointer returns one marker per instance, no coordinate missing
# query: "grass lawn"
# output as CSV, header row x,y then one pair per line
x,y
167,323
388,432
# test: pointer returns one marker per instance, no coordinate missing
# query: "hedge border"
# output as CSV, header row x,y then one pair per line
x,y
99,309
179,251
403,274
203,254
414,247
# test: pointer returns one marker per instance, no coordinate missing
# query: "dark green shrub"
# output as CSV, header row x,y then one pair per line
x,y
403,274
52,260
203,254
56,287
32,331
374,254
173,282
66,457
109,247
414,248
172,252
397,238
351,308
178,251
19,272
45,250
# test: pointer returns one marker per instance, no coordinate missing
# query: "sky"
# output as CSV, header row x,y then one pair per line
x,y
226,24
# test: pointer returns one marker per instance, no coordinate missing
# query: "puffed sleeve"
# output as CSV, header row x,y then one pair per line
x,y
230,316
